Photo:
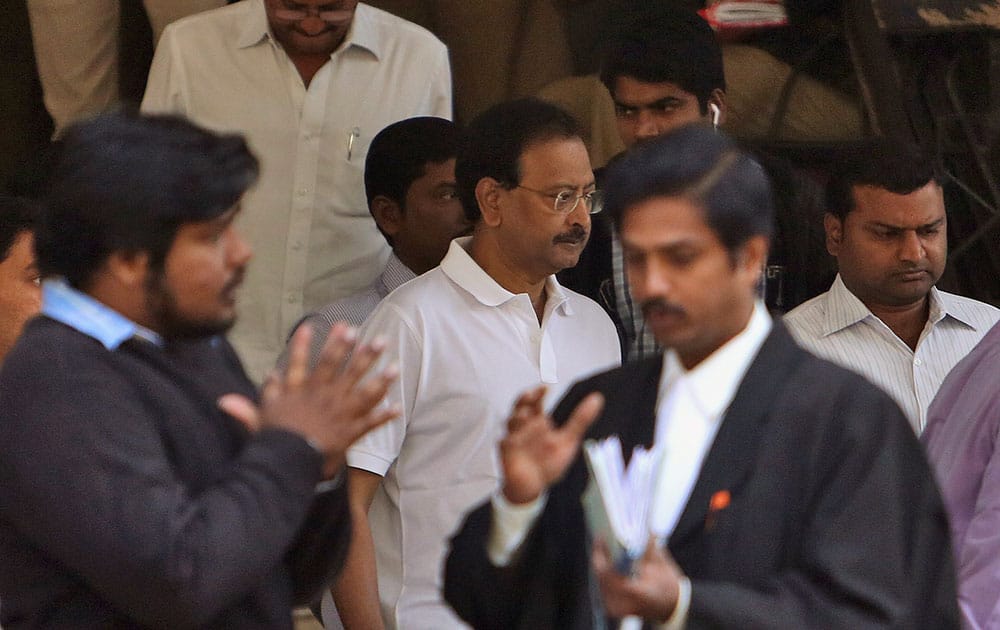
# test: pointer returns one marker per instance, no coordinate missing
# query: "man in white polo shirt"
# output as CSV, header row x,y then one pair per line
x,y
469,336
883,317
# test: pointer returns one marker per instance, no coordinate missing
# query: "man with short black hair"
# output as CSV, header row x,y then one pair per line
x,y
663,69
883,317
791,492
20,289
140,485
410,186
468,335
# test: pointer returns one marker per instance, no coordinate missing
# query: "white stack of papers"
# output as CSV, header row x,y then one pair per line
x,y
745,14
751,12
618,499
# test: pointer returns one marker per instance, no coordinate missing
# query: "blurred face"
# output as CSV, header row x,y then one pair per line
x,y
195,293
647,110
431,217
310,27
20,291
891,248
538,240
695,295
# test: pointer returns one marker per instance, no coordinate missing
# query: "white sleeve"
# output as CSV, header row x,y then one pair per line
x,y
440,89
165,88
511,524
378,449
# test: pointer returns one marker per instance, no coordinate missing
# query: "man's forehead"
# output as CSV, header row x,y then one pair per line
x,y
563,158
665,222
632,91
921,206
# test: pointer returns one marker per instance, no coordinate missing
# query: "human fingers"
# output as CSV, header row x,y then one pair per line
x,y
600,559
364,357
583,416
371,391
298,356
272,389
241,408
338,345
526,407
613,585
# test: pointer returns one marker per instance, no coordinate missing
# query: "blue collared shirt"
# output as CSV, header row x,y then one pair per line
x,y
81,312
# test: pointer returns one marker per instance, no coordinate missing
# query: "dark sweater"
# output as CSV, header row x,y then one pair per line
x,y
127,499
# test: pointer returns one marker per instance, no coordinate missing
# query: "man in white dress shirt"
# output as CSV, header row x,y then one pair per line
x,y
883,316
471,334
309,83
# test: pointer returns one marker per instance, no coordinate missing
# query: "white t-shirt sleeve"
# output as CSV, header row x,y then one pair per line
x,y
378,449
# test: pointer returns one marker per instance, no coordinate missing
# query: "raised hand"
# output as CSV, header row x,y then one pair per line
x,y
651,592
331,405
535,453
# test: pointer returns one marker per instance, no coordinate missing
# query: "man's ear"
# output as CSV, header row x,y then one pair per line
x,y
752,257
387,213
488,192
128,269
834,228
718,99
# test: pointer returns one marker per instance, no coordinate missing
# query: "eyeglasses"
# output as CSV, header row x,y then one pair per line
x,y
297,15
566,200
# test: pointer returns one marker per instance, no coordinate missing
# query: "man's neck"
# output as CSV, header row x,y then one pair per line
x,y
489,255
906,322
308,65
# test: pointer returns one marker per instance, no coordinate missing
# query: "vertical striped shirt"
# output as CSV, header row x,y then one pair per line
x,y
353,309
838,326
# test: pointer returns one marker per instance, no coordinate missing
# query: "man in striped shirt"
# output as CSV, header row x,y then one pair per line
x,y
883,316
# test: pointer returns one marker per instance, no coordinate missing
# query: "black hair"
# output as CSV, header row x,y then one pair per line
x,y
899,167
400,153
125,182
17,216
703,166
655,43
498,138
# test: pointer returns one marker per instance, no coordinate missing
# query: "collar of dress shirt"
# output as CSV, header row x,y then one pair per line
x,y
713,382
394,275
83,313
844,309
466,273
362,33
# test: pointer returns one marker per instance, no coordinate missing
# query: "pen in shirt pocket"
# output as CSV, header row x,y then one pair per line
x,y
351,137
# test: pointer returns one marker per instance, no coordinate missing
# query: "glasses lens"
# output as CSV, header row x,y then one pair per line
x,y
565,202
297,15
290,15
595,202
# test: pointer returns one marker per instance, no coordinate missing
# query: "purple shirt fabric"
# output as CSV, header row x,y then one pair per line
x,y
963,426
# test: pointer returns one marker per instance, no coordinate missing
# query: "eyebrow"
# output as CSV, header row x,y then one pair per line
x,y
667,100
899,228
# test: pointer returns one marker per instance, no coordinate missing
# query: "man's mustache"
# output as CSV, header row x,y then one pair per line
x,y
659,306
576,234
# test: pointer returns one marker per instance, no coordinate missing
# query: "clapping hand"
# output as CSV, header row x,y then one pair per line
x,y
331,405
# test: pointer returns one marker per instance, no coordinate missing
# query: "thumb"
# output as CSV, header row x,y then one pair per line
x,y
241,408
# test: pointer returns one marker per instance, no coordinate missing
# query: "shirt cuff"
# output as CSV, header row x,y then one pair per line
x,y
511,524
678,618
330,484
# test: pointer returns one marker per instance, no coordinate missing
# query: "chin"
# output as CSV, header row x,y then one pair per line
x,y
197,329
